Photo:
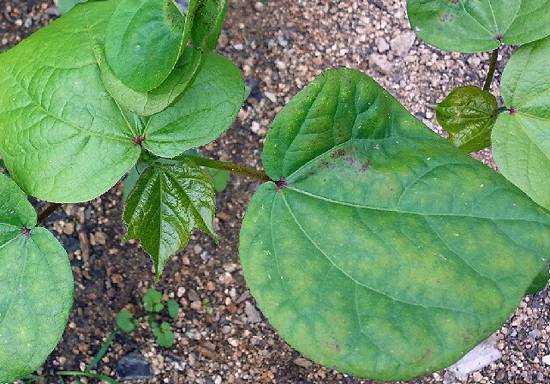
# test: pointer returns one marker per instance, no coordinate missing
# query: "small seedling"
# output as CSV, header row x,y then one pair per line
x,y
153,301
125,321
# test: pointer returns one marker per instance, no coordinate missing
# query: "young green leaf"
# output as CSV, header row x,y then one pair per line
x,y
468,114
151,299
208,18
168,202
521,143
63,138
157,99
143,42
125,322
481,25
165,338
415,250
37,286
173,308
206,110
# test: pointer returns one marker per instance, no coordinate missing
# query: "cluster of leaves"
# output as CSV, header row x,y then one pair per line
x,y
109,87
154,305
366,219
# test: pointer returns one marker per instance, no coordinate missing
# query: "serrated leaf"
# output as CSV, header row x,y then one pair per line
x,y
415,251
144,40
157,99
478,26
468,114
206,110
208,18
37,286
521,136
62,137
168,202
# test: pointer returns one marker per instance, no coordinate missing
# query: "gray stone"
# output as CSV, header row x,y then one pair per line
x,y
382,45
134,366
403,43
481,356
252,314
380,63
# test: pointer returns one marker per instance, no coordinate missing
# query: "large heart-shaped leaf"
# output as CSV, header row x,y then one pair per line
x,y
382,250
468,114
36,286
143,42
62,135
521,136
480,25
168,202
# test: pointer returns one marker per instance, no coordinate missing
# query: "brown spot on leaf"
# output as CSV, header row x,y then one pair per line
x,y
364,166
338,153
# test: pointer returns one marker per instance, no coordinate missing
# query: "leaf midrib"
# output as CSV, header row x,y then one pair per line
x,y
400,211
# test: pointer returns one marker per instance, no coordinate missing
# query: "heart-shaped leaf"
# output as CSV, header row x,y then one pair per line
x,y
206,110
521,136
62,137
168,202
143,42
36,286
65,139
468,114
480,25
382,250
539,282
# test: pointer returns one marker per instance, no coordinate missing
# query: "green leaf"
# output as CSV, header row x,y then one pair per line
x,y
481,25
206,110
415,250
125,322
220,178
166,338
173,308
468,114
151,299
62,137
167,204
65,6
37,286
164,326
539,282
209,16
521,139
144,40
157,99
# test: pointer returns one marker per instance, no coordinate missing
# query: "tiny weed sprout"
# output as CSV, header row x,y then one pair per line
x,y
364,217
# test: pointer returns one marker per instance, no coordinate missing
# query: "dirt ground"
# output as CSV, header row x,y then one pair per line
x,y
280,46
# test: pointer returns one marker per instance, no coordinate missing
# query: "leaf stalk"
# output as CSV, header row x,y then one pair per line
x,y
47,212
233,168
491,73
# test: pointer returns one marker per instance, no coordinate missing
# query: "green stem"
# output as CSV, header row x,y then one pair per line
x,y
101,351
233,168
492,67
47,212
